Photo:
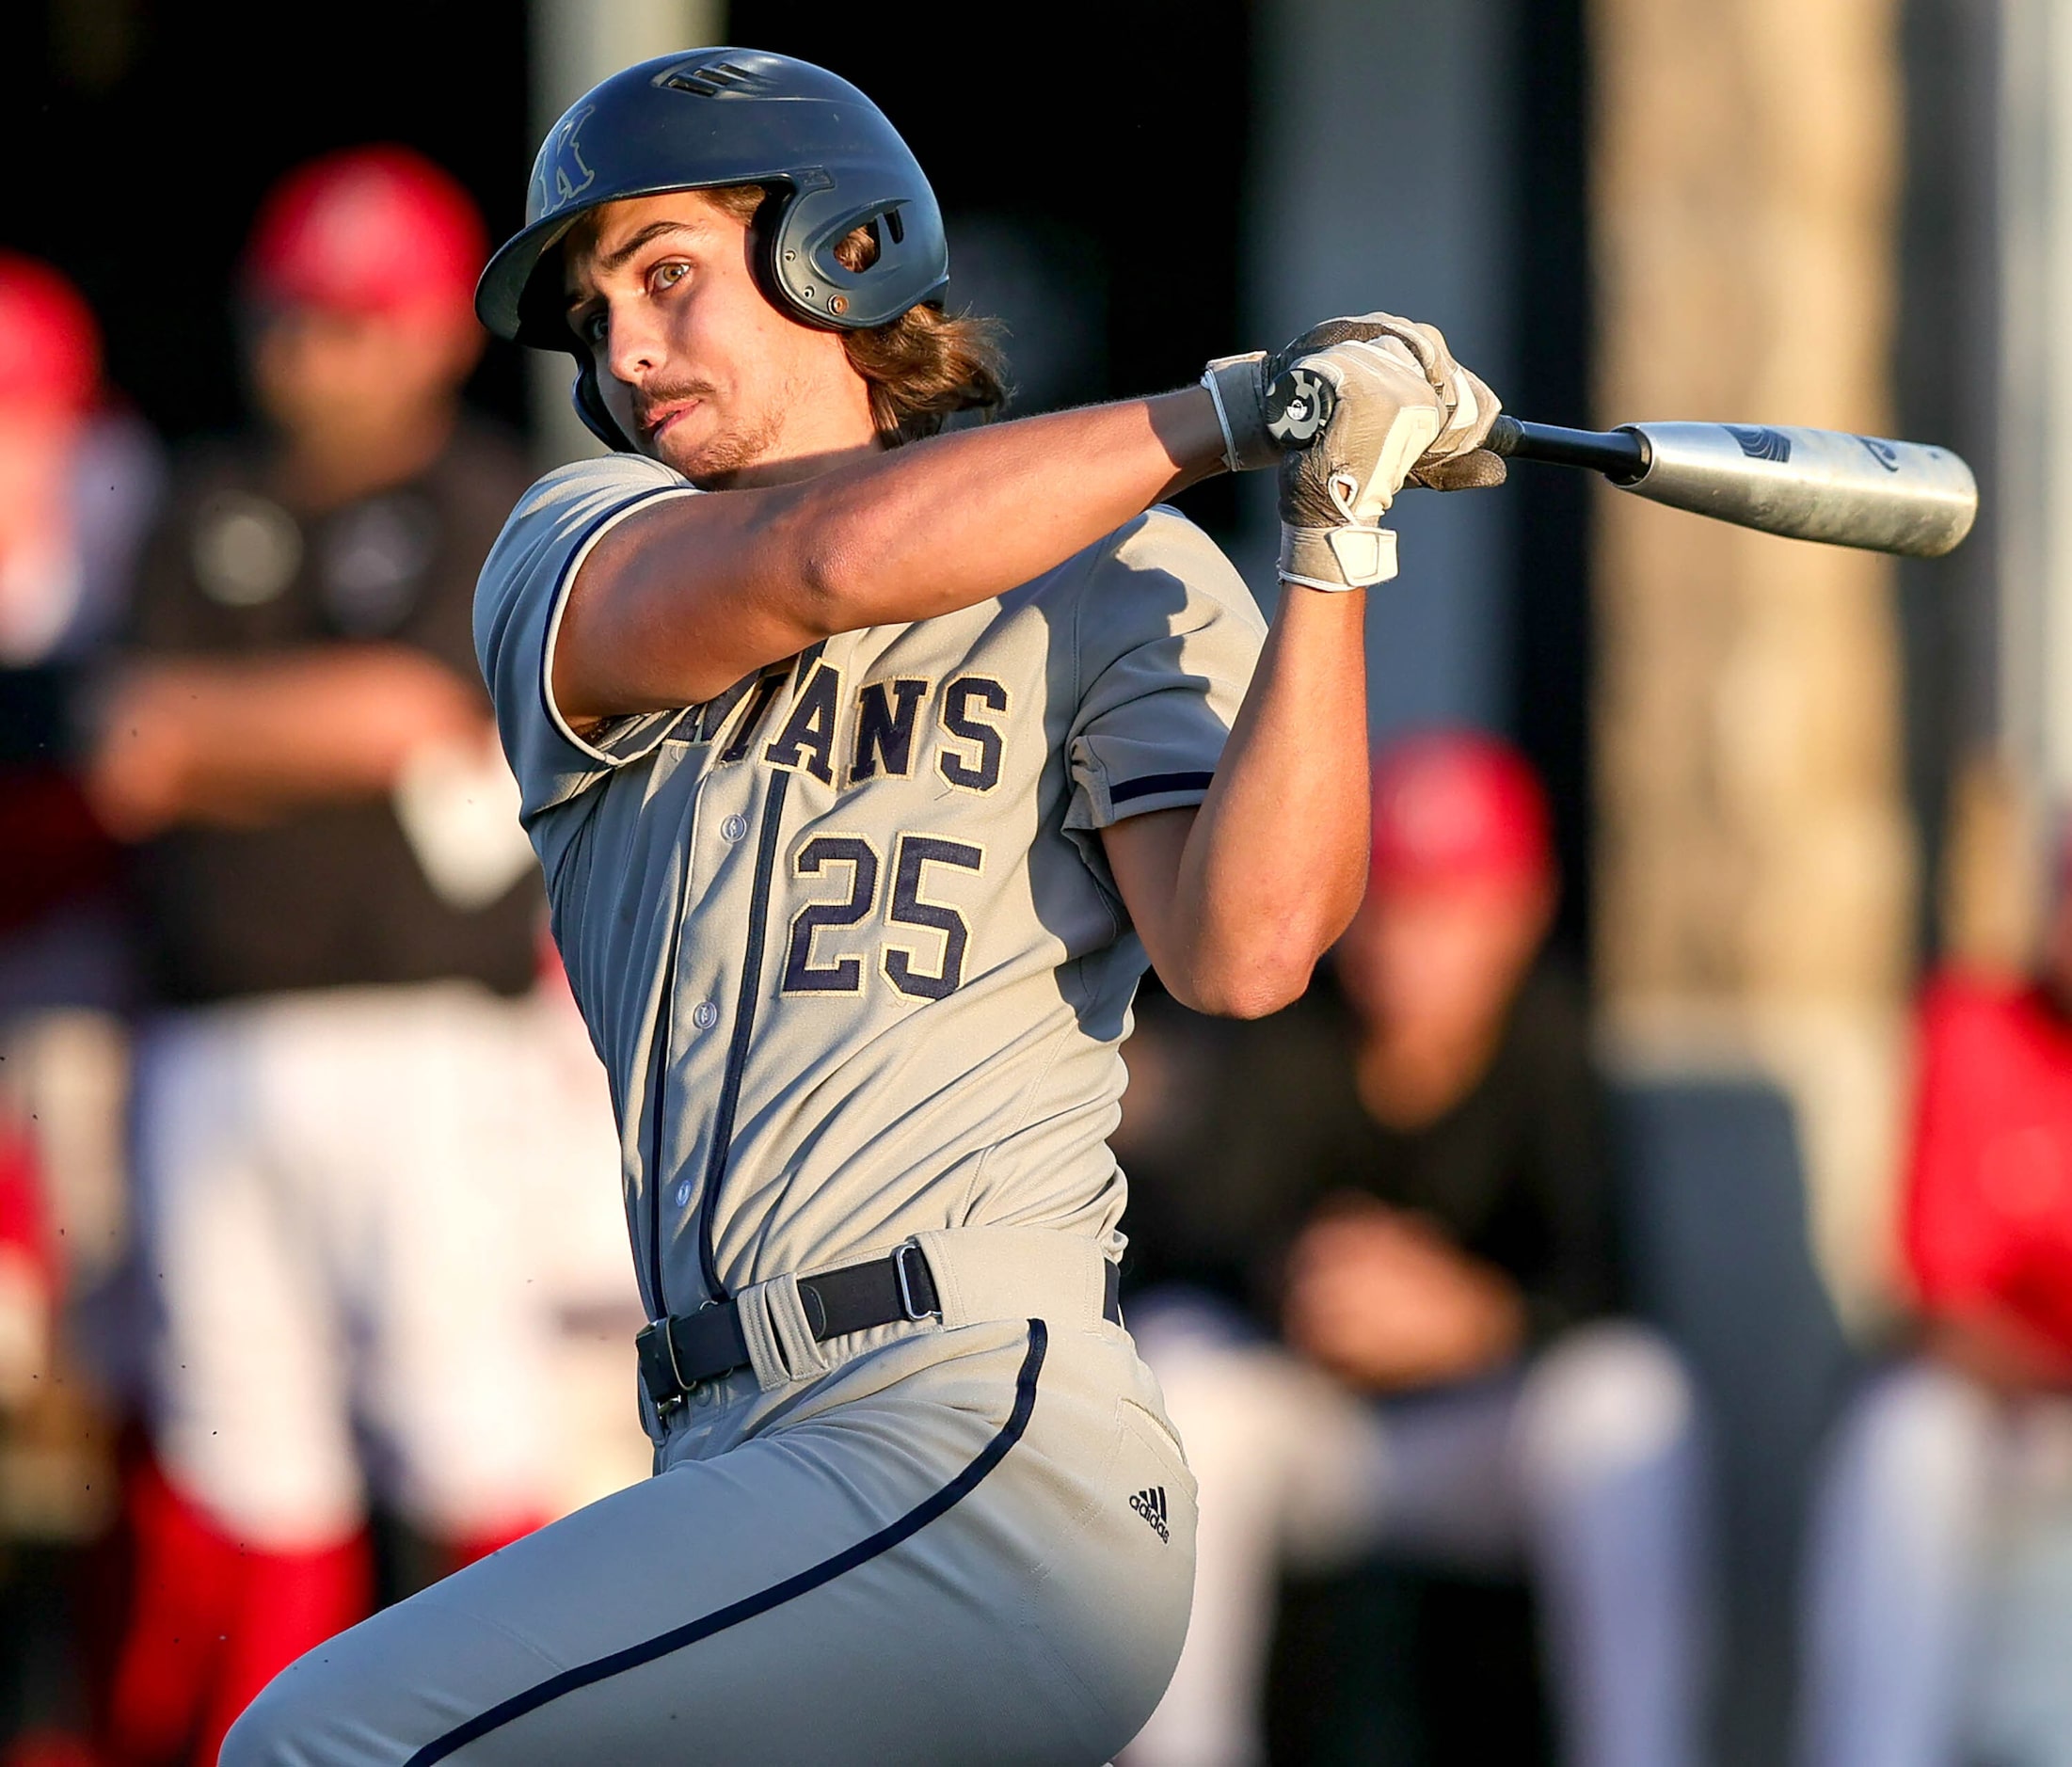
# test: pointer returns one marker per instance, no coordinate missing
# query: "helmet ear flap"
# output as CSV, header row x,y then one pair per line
x,y
588,399
765,233
910,265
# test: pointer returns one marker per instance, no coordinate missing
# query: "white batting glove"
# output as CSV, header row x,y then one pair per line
x,y
1383,417
1457,460
1402,412
1238,384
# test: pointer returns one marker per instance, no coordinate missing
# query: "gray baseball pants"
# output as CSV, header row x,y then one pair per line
x,y
970,1542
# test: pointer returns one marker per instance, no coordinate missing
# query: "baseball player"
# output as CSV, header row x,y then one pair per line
x,y
865,776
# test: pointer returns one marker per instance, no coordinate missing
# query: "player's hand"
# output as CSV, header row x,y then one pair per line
x,y
1386,416
1403,411
1455,458
1457,461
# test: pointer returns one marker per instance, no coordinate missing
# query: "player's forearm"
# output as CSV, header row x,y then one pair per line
x,y
684,598
929,529
1274,862
237,741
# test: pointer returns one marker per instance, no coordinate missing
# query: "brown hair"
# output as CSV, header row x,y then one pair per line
x,y
923,365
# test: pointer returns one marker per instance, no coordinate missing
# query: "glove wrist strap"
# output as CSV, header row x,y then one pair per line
x,y
1237,387
1337,558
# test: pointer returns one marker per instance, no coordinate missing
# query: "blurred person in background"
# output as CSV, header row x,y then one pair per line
x,y
1405,1179
339,921
75,484
1955,1442
78,478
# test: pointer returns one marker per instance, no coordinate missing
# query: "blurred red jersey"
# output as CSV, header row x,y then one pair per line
x,y
1989,1196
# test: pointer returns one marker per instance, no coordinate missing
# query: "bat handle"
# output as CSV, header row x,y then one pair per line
x,y
1620,455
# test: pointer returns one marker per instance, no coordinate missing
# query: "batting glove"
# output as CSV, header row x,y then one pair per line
x,y
1403,412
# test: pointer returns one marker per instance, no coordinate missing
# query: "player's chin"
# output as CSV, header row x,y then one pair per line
x,y
707,456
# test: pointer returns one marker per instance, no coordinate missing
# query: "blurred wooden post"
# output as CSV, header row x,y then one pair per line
x,y
575,43
1755,867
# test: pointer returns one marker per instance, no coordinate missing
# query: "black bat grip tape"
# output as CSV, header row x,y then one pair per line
x,y
1620,455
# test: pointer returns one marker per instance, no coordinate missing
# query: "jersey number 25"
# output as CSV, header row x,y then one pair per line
x,y
906,908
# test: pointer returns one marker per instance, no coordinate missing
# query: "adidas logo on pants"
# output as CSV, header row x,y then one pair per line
x,y
1151,1504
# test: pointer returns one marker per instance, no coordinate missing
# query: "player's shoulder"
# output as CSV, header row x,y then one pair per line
x,y
556,519
1160,558
592,486
560,510
1163,539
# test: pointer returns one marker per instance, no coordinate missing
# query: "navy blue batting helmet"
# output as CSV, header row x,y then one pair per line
x,y
709,118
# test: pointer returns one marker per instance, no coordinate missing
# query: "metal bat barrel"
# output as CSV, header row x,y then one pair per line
x,y
1907,498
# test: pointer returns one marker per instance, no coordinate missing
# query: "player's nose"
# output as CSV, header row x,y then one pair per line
x,y
634,346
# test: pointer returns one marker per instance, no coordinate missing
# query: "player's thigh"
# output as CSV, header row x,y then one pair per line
x,y
910,1580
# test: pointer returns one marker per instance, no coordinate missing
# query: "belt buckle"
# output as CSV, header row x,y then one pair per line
x,y
667,1405
906,1285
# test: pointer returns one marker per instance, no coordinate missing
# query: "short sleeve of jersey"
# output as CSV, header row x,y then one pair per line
x,y
1168,637
518,602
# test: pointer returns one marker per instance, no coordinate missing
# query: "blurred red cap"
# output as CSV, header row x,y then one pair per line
x,y
373,230
50,346
1451,805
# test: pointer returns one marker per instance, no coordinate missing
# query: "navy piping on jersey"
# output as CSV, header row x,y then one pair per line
x,y
657,1093
777,1593
548,709
745,1028
745,1011
1149,783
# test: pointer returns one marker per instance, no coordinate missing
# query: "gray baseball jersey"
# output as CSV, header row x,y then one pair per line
x,y
844,936
846,941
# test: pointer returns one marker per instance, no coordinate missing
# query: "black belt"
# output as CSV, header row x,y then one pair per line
x,y
685,1350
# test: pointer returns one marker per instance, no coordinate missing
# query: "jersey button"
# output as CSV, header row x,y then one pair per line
x,y
683,1194
734,827
705,1015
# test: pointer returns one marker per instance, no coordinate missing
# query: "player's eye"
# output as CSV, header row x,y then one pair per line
x,y
592,326
669,274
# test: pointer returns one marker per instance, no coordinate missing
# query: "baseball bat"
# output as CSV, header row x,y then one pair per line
x,y
1907,498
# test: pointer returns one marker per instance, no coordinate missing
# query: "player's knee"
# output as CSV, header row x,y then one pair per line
x,y
1606,1402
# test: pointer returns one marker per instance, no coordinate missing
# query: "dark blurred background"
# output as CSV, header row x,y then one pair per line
x,y
1784,781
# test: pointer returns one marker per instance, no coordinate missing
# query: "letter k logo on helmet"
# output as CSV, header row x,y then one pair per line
x,y
563,175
